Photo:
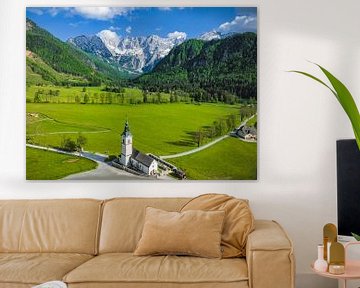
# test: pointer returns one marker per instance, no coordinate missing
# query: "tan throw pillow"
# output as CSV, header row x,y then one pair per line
x,y
239,220
196,233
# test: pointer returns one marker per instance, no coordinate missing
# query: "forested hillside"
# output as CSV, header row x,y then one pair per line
x,y
214,70
53,54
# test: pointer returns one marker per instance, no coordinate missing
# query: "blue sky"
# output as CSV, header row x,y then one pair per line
x,y
74,21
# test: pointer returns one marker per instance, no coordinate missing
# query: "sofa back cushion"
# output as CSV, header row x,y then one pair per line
x,y
123,220
64,226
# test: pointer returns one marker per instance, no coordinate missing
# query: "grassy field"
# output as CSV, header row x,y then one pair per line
x,y
230,159
160,129
45,165
96,95
39,124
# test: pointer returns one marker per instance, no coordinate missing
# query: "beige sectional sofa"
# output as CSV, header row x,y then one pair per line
x,y
89,243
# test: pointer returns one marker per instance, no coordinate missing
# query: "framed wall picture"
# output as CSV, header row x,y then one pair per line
x,y
140,93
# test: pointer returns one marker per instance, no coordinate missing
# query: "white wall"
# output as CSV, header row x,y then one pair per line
x,y
299,120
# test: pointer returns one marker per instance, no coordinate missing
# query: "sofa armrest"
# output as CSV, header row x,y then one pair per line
x,y
269,256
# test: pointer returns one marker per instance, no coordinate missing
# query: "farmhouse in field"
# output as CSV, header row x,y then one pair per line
x,y
132,158
245,132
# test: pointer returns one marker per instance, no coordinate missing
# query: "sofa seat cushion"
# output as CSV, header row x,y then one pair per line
x,y
127,268
36,268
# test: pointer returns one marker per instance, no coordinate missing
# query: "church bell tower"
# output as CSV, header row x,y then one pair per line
x,y
126,145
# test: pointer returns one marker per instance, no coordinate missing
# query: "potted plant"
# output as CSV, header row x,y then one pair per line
x,y
346,100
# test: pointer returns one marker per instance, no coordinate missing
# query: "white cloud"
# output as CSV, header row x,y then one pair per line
x,y
170,8
165,8
101,13
177,35
74,25
78,23
97,13
128,29
239,24
114,28
54,11
36,11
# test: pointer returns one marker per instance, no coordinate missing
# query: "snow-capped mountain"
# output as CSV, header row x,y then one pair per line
x,y
215,35
139,54
136,54
110,39
92,44
211,35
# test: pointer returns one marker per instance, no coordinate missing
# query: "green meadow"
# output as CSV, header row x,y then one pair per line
x,y
46,165
162,129
237,161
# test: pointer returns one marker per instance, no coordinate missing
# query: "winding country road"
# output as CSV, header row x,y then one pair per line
x,y
85,154
196,149
208,144
246,120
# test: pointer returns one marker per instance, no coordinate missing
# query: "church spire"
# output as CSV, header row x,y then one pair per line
x,y
126,145
126,131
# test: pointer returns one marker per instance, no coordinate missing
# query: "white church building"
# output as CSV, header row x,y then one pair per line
x,y
133,158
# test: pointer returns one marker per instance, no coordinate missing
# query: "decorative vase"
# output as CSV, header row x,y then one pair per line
x,y
320,264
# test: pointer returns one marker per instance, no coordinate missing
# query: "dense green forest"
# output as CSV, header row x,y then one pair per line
x,y
215,70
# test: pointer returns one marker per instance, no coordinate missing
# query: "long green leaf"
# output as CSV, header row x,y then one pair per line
x,y
347,102
344,97
316,79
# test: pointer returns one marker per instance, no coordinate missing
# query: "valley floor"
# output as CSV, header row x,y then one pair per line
x,y
166,129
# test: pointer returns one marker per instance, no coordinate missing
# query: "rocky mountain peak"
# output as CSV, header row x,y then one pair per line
x,y
29,24
211,35
139,53
110,39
